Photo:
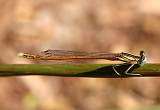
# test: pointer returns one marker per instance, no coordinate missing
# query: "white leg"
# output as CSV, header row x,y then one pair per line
x,y
126,72
113,66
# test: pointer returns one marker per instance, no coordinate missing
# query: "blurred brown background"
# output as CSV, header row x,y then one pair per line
x,y
83,25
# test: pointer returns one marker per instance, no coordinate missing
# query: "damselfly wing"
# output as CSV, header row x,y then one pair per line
x,y
75,55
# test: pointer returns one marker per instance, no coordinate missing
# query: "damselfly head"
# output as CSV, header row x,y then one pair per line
x,y
141,53
142,59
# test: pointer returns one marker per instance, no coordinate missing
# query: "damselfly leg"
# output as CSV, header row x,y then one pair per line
x,y
126,72
126,57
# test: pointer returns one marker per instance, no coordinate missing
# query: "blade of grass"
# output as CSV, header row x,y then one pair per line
x,y
73,70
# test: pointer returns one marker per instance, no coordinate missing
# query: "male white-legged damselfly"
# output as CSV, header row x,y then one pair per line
x,y
75,55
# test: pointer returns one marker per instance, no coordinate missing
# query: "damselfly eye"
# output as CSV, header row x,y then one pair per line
x,y
141,52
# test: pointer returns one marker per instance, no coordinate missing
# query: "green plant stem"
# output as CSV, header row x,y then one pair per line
x,y
73,70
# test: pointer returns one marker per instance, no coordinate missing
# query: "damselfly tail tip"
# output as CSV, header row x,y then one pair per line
x,y
25,55
20,54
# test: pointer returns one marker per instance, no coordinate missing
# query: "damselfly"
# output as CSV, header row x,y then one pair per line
x,y
75,55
